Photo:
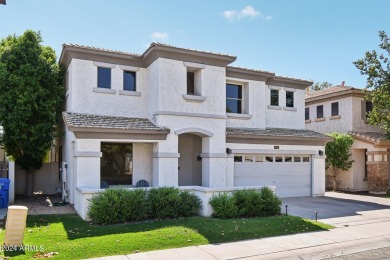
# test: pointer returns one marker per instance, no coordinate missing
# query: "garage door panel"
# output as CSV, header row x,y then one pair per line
x,y
290,179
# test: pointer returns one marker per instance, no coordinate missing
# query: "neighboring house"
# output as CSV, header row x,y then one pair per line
x,y
343,109
181,117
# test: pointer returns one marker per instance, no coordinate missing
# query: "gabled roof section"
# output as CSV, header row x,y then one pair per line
x,y
377,138
155,50
291,82
245,73
276,136
160,50
332,93
116,127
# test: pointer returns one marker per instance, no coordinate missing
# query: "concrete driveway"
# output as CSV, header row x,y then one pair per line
x,y
340,209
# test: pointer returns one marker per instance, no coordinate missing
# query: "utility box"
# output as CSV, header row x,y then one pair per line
x,y
15,225
4,189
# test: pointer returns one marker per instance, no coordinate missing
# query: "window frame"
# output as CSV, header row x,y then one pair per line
x,y
130,180
193,83
371,105
293,97
239,99
332,108
307,113
101,69
322,111
271,97
135,80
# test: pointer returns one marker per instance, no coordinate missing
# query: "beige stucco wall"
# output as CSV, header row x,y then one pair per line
x,y
46,179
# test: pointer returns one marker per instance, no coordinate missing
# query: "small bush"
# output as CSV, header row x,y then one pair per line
x,y
246,203
224,206
189,204
271,203
107,207
164,202
249,203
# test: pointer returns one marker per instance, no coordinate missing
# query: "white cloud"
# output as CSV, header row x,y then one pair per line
x,y
247,11
159,36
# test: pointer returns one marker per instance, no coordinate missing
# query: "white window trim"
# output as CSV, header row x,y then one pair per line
x,y
129,93
238,116
104,65
104,90
192,65
129,68
289,89
274,87
194,98
290,109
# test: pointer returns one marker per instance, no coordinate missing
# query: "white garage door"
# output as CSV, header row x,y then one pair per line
x,y
291,174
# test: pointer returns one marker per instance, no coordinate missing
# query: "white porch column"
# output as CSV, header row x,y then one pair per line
x,y
87,163
318,175
165,162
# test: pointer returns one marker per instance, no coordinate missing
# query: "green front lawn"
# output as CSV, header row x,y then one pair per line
x,y
73,238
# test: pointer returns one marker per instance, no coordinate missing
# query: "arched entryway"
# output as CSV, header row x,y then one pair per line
x,y
192,142
190,161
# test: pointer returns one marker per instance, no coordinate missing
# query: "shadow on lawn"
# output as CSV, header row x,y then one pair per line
x,y
214,230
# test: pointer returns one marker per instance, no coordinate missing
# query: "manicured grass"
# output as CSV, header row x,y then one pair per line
x,y
73,238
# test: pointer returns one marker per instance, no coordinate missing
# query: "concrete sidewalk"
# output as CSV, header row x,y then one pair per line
x,y
357,232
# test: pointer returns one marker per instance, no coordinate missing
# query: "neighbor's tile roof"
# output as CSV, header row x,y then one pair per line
x,y
100,49
370,136
331,90
110,122
281,132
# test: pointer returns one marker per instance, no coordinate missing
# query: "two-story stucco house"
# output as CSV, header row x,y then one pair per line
x,y
343,109
181,117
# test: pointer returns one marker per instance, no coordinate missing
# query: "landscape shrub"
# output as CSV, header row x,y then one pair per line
x,y
107,207
164,202
121,205
224,206
249,203
271,203
246,203
189,204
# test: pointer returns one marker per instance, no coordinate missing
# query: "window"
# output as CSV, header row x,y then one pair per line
x,y
233,98
190,83
320,111
249,158
297,159
129,81
269,158
305,159
307,113
259,158
288,159
335,109
237,158
369,108
278,159
289,99
274,97
116,163
104,77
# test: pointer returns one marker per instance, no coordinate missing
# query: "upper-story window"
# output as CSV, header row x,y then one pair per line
x,y
129,81
369,108
320,111
190,83
104,77
289,99
335,109
233,98
274,97
307,113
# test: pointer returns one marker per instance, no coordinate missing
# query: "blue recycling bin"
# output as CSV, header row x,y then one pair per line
x,y
4,187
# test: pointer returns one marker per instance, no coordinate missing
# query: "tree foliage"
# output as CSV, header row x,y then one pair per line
x,y
320,86
31,97
377,69
337,155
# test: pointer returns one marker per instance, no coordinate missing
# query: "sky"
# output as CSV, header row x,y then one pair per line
x,y
310,39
